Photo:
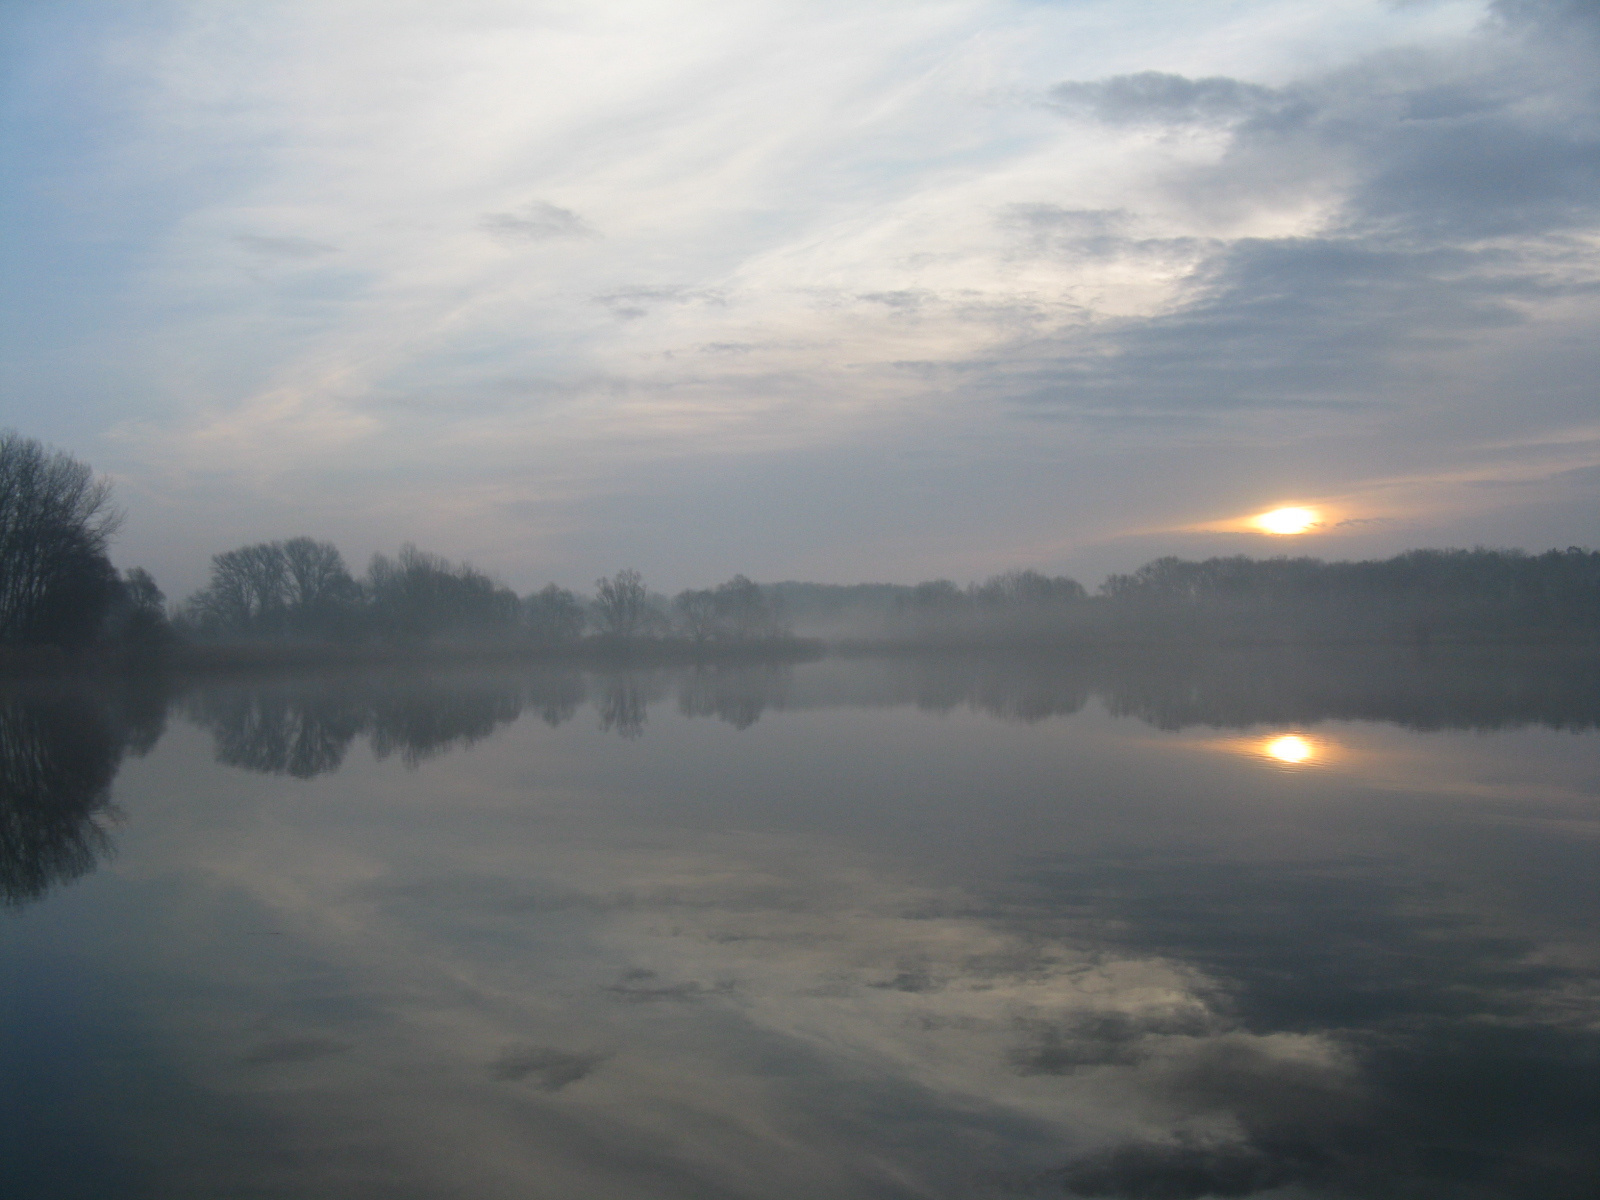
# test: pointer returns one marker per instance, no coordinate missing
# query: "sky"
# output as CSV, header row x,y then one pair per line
x,y
808,290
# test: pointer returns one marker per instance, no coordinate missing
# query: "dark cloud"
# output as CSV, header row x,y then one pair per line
x,y
550,1069
1178,1171
284,247
1152,96
1093,1039
1462,185
537,221
915,981
294,1050
1554,16
640,987
1285,322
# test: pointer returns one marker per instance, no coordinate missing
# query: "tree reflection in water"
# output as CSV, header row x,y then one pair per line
x,y
737,695
1409,1018
60,749
305,727
623,705
1462,688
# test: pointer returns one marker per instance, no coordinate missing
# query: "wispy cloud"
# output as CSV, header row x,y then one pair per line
x,y
1065,272
536,221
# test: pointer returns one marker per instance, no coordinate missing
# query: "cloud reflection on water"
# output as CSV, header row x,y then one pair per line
x,y
855,938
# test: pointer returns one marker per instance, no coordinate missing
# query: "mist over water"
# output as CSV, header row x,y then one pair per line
x,y
1286,923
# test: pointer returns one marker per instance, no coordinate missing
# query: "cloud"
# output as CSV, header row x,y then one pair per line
x,y
1356,244
632,303
294,1050
1178,1171
284,247
1455,198
536,221
638,986
551,1069
1159,98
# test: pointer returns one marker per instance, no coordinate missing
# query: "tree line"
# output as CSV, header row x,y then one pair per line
x,y
59,588
302,589
1419,597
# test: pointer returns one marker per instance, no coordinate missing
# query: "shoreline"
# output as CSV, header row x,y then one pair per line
x,y
220,659
201,659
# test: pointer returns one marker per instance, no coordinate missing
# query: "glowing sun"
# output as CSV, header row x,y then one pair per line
x,y
1290,748
1287,520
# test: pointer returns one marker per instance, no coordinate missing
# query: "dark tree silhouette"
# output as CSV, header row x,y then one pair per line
x,y
1417,596
736,609
1028,589
696,611
56,520
248,593
271,589
554,615
622,604
138,616
323,599
416,597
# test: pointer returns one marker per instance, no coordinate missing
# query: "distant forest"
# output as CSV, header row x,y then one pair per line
x,y
1418,597
58,589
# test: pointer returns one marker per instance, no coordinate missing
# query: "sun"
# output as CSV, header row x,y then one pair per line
x,y
1290,748
1287,520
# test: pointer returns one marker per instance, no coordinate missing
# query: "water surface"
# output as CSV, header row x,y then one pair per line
x,y
1247,925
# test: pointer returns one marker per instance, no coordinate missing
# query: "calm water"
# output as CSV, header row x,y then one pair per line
x,y
1241,926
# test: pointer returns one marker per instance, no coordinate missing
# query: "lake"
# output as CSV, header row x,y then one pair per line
x,y
1159,928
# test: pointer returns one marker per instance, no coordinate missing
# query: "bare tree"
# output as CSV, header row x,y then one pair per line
x,y
272,588
56,521
736,609
554,614
697,613
323,598
1028,589
138,617
316,574
418,596
248,593
743,609
622,603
